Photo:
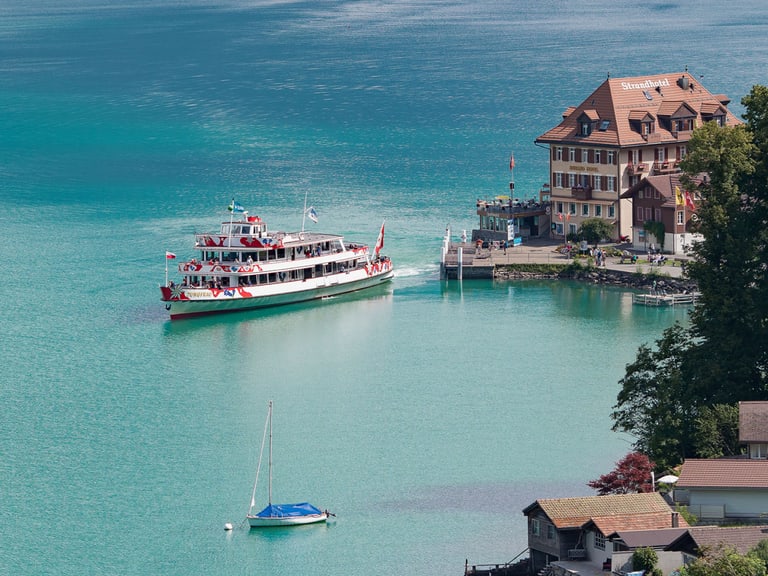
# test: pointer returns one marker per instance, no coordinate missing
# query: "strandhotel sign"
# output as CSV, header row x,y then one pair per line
x,y
645,85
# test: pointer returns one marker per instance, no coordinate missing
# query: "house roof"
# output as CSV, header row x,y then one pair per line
x,y
742,538
664,183
574,512
652,521
642,538
619,100
753,421
724,473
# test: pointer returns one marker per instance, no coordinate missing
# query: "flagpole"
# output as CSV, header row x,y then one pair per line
x,y
166,269
304,213
231,220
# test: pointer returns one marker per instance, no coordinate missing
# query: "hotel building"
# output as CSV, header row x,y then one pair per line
x,y
625,131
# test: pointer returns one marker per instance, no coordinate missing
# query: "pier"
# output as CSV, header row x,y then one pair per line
x,y
664,299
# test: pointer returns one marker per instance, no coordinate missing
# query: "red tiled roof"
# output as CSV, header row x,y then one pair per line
x,y
652,521
664,183
592,115
724,473
753,421
574,512
618,99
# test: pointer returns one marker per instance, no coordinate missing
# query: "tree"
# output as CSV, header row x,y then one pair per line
x,y
595,229
645,559
761,552
728,266
716,431
631,475
724,562
654,404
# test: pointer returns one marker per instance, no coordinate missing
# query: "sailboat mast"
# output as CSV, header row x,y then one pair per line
x,y
267,424
270,452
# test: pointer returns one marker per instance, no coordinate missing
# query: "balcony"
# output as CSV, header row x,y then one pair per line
x,y
638,168
582,192
667,167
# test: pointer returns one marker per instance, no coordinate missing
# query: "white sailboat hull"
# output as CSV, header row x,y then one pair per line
x,y
257,522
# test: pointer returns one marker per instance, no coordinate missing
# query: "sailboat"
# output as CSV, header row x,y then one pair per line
x,y
279,514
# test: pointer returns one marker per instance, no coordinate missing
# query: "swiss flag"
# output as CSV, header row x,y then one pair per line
x,y
380,240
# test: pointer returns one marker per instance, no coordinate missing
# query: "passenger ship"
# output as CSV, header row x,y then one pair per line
x,y
246,266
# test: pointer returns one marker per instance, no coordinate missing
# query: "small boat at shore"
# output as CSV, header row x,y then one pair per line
x,y
279,514
245,266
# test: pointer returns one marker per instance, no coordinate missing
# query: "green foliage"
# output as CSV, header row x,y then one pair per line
x,y
654,403
716,431
657,229
593,230
689,516
760,552
724,562
729,266
644,559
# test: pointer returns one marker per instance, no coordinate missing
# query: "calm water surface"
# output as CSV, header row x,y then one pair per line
x,y
426,415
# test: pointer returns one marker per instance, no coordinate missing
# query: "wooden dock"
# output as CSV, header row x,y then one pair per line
x,y
664,299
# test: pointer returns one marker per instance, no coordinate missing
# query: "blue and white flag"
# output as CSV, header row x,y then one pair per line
x,y
312,214
235,207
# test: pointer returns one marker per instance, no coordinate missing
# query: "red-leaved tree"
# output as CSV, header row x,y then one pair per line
x,y
631,475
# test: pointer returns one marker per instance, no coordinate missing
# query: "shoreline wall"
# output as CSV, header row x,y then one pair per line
x,y
634,280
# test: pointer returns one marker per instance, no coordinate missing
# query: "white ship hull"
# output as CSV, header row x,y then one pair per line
x,y
206,301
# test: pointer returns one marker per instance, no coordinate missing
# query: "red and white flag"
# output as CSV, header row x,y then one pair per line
x,y
169,255
380,240
512,162
689,201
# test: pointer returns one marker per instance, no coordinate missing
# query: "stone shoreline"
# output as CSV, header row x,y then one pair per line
x,y
603,276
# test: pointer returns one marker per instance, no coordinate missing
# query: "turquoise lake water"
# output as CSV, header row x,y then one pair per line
x,y
426,414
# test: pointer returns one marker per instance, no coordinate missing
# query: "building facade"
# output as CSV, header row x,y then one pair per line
x,y
626,130
663,199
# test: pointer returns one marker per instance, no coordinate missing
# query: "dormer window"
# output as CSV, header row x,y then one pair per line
x,y
711,112
587,121
676,116
642,122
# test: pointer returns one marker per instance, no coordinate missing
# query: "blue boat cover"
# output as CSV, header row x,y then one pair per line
x,y
288,510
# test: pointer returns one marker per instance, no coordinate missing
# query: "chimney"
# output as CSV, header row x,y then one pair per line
x,y
675,519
